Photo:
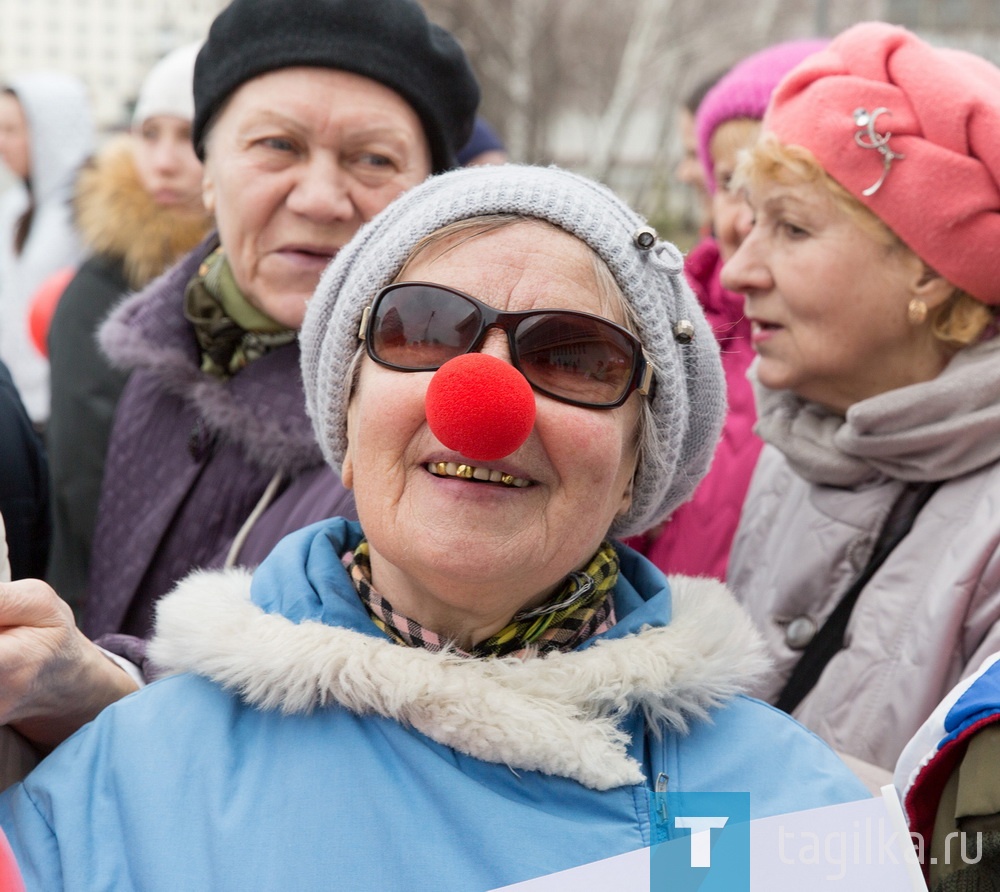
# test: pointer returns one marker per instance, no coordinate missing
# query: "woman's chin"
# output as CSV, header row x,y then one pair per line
x,y
466,541
774,375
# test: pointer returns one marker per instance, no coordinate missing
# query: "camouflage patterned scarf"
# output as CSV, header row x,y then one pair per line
x,y
231,333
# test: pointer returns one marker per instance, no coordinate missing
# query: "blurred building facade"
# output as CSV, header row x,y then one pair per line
x,y
109,44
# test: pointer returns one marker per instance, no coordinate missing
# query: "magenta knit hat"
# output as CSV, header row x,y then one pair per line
x,y
744,91
913,132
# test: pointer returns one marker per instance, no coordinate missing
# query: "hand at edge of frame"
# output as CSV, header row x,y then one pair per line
x,y
53,679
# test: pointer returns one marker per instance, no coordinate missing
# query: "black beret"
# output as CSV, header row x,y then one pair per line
x,y
389,41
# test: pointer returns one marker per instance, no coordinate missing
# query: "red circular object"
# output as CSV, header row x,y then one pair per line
x,y
10,875
43,306
480,406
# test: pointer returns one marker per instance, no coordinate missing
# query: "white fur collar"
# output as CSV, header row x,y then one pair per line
x,y
555,714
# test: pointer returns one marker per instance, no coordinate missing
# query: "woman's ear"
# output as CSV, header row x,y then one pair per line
x,y
208,191
626,501
931,287
347,466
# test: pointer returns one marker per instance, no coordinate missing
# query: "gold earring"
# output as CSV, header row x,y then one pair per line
x,y
916,311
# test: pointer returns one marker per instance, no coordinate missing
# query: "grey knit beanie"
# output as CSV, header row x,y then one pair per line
x,y
688,402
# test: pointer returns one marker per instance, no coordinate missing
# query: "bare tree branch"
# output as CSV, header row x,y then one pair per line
x,y
644,36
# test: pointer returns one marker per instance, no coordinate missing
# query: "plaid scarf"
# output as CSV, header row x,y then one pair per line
x,y
231,333
581,608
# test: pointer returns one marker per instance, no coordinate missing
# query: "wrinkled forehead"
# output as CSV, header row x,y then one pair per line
x,y
331,101
517,263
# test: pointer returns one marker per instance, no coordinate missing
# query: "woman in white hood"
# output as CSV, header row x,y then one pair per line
x,y
46,133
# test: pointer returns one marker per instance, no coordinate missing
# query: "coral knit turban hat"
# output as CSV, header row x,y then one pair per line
x,y
912,132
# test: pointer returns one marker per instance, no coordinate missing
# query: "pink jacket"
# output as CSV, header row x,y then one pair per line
x,y
695,541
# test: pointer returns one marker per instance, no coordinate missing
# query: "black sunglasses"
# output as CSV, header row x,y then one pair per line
x,y
577,358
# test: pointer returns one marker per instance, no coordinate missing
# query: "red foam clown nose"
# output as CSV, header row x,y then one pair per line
x,y
480,406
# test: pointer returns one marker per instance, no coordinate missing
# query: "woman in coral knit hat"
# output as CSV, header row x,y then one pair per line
x,y
869,546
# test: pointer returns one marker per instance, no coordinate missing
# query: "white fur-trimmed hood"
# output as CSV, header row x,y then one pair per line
x,y
555,714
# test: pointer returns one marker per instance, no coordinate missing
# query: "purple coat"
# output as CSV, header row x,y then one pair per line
x,y
190,457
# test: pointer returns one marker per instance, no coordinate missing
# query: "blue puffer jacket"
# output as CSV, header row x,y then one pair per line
x,y
347,761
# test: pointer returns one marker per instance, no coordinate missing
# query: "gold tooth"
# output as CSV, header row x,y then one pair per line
x,y
467,471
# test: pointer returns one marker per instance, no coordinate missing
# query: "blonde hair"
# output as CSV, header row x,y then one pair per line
x,y
960,321
731,138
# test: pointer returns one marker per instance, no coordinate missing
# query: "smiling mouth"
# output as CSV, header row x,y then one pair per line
x,y
476,474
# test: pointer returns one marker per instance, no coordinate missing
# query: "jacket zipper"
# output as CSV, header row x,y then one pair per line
x,y
660,818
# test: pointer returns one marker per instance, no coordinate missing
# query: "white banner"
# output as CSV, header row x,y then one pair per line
x,y
861,846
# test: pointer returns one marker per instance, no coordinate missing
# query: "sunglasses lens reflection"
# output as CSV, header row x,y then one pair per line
x,y
420,328
575,357
568,355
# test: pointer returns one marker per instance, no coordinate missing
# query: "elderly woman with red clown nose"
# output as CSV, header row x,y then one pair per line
x,y
869,546
474,685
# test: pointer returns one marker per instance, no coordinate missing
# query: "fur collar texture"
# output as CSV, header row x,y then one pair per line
x,y
118,218
557,714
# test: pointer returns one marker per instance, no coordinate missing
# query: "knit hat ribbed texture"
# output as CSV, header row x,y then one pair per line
x,y
938,111
389,41
688,404
168,89
744,91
